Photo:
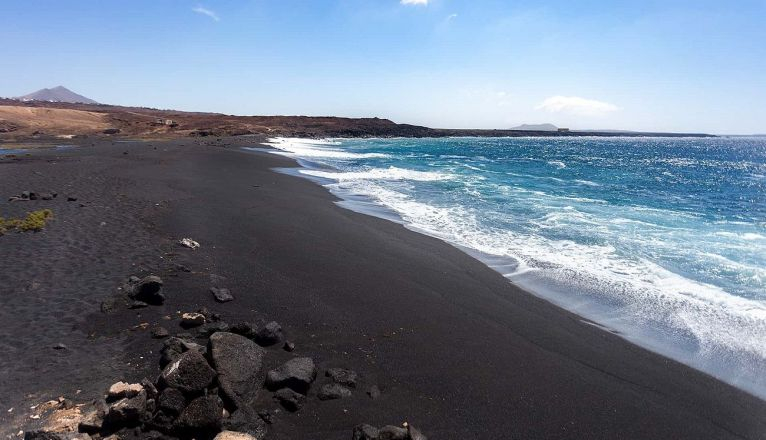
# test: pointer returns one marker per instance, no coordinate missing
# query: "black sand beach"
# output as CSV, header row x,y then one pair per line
x,y
457,350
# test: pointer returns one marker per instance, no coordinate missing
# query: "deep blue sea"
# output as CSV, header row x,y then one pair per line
x,y
661,240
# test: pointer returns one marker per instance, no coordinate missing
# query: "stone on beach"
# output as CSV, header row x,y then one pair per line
x,y
120,390
188,243
173,348
211,328
190,373
231,435
391,432
93,417
221,295
237,360
333,391
245,329
192,319
270,334
246,420
342,376
365,432
297,374
147,289
172,401
289,399
127,411
202,416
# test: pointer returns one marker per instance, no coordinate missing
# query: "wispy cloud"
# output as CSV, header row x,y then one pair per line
x,y
576,106
204,11
414,2
451,17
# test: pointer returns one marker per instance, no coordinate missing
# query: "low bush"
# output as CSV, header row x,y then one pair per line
x,y
35,221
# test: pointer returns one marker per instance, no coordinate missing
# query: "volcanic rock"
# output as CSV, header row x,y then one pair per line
x,y
221,295
202,416
270,334
297,374
342,376
238,361
190,373
333,391
289,399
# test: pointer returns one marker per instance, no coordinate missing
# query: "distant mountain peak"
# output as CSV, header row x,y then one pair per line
x,y
536,127
57,94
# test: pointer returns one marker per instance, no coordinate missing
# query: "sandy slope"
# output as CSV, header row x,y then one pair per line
x,y
53,120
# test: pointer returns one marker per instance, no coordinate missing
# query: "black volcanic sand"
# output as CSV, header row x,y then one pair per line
x,y
457,350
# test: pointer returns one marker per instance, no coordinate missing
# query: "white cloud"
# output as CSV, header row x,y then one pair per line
x,y
451,17
576,106
208,12
414,2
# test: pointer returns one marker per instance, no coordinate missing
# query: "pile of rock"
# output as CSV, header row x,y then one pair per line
x,y
210,382
33,195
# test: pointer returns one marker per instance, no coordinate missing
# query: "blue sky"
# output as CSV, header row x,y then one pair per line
x,y
644,65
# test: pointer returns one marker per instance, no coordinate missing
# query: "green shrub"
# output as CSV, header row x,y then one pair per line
x,y
35,221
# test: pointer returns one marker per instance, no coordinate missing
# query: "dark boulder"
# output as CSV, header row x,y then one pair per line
x,y
137,305
391,432
289,347
246,420
365,432
270,334
173,348
210,328
289,399
172,401
342,376
148,290
93,417
237,360
190,373
128,411
333,391
202,417
297,374
245,329
221,295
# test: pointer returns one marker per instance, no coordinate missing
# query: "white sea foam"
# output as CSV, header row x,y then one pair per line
x,y
390,173
316,148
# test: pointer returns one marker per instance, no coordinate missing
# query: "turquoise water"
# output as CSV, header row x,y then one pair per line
x,y
662,240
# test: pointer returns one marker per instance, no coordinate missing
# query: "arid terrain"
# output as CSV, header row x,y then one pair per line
x,y
24,120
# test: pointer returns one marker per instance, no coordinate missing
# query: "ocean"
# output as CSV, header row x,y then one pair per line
x,y
659,240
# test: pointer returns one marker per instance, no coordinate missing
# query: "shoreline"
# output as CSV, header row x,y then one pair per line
x,y
589,310
349,289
